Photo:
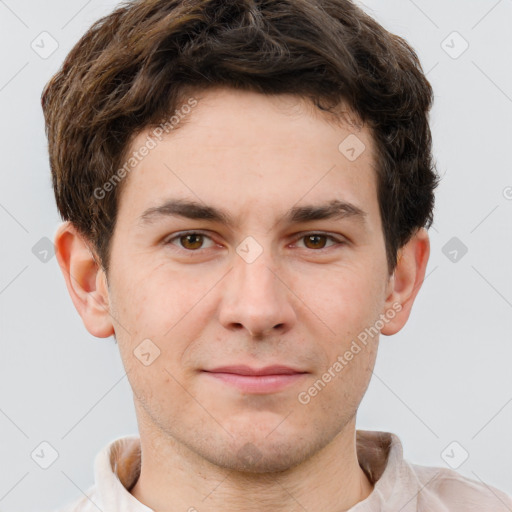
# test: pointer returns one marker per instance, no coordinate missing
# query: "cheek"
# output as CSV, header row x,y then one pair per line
x,y
346,300
351,308
157,317
148,304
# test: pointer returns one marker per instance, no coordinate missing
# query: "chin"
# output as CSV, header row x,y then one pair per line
x,y
250,459
267,452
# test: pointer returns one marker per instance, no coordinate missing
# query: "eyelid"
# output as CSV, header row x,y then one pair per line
x,y
337,239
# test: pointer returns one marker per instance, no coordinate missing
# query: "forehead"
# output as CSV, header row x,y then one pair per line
x,y
245,150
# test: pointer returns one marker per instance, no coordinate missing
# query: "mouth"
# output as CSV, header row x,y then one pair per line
x,y
270,379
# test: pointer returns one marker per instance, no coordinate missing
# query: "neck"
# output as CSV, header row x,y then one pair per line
x,y
175,478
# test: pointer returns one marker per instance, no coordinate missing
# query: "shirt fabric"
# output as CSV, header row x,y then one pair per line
x,y
399,486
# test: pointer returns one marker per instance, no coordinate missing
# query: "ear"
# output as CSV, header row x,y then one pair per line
x,y
85,280
406,281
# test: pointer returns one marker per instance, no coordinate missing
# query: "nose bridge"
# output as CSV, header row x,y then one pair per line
x,y
256,297
255,280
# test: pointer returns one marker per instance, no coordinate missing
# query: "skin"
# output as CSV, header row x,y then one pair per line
x,y
301,303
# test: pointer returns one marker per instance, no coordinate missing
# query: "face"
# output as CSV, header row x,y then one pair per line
x,y
252,277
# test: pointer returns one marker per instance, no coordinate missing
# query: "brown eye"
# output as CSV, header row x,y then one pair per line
x,y
189,241
318,241
315,241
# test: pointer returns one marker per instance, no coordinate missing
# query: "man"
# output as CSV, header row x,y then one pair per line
x,y
246,188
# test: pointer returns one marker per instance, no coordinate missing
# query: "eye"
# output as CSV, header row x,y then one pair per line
x,y
316,241
189,241
193,241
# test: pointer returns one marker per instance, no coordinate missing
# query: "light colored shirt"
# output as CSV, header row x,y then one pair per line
x,y
399,486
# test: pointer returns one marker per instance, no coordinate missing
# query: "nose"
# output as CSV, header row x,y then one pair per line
x,y
257,297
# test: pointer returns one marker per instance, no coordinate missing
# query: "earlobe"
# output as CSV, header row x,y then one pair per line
x,y
406,281
85,280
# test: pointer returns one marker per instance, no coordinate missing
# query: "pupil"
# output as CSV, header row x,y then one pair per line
x,y
311,237
192,237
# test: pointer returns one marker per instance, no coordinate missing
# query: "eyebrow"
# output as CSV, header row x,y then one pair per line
x,y
335,209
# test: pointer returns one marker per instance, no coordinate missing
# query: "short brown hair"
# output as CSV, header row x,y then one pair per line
x,y
134,67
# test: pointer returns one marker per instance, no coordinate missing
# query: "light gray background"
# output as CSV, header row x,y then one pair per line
x,y
445,377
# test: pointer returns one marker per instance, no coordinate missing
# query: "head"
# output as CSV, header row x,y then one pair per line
x,y
266,116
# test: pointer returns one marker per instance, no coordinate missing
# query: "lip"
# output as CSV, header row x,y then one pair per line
x,y
242,369
259,381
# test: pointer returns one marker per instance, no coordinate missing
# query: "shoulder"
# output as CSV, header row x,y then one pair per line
x,y
458,492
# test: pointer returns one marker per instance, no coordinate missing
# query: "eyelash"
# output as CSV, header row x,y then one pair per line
x,y
177,236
